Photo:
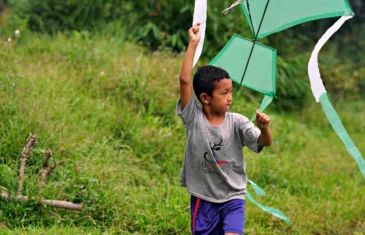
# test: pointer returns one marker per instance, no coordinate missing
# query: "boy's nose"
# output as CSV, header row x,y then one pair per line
x,y
230,98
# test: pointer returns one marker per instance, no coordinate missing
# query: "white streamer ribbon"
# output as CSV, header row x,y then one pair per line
x,y
313,70
200,16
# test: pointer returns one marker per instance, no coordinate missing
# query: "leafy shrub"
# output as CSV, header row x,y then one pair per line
x,y
3,4
292,84
53,16
161,24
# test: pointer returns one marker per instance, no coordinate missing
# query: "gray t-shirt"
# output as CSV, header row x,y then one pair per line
x,y
213,167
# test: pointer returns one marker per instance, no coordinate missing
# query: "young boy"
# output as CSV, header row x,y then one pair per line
x,y
213,171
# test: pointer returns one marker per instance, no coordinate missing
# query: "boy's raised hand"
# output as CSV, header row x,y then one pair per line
x,y
194,33
262,120
187,66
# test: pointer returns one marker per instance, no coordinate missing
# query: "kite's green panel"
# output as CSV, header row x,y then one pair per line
x,y
261,70
283,14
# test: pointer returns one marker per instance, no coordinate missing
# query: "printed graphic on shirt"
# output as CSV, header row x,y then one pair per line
x,y
208,164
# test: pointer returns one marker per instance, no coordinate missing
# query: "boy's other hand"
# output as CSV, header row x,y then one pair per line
x,y
262,120
194,33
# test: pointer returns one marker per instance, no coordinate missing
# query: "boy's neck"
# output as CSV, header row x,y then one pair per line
x,y
215,119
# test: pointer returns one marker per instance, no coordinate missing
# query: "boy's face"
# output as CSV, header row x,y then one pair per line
x,y
221,99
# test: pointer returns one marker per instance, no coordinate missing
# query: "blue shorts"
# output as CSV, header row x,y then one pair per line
x,y
217,218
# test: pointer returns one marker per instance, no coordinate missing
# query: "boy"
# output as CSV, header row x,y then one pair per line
x,y
213,171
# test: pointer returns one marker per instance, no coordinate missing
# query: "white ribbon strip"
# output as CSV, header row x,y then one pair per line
x,y
200,16
313,70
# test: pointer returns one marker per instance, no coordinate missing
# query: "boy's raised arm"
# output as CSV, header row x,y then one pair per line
x,y
187,66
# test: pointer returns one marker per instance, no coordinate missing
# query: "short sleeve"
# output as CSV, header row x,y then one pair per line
x,y
249,134
188,113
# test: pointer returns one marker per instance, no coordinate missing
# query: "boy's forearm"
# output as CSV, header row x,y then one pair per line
x,y
265,138
187,67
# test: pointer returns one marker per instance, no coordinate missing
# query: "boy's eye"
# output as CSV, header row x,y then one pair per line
x,y
226,92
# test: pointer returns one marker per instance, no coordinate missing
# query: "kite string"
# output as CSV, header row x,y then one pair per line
x,y
233,5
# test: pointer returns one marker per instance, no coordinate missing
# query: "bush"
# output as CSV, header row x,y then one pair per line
x,y
3,4
160,24
53,16
292,84
163,25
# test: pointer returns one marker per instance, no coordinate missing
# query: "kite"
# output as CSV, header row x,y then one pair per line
x,y
253,65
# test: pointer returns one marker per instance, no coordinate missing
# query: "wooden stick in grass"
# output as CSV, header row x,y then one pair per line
x,y
31,141
55,203
46,170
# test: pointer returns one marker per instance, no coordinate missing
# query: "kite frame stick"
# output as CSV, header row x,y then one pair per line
x,y
256,35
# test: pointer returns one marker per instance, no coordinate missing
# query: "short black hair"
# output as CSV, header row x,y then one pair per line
x,y
205,77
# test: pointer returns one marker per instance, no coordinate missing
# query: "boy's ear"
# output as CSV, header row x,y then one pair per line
x,y
204,98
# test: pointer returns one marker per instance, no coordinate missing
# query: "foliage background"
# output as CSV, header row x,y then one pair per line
x,y
161,25
96,81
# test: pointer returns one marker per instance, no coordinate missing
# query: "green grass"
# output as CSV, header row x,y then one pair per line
x,y
106,110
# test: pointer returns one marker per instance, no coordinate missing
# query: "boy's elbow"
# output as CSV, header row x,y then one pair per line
x,y
185,83
183,80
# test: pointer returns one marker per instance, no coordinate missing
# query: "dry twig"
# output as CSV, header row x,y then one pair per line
x,y
31,141
46,171
54,203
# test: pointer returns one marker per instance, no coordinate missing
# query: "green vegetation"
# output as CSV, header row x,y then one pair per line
x,y
160,25
105,107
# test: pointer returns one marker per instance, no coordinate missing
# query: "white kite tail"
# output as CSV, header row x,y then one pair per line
x,y
200,16
313,70
319,93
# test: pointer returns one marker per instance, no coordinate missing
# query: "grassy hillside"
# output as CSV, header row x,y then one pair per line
x,y
106,110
